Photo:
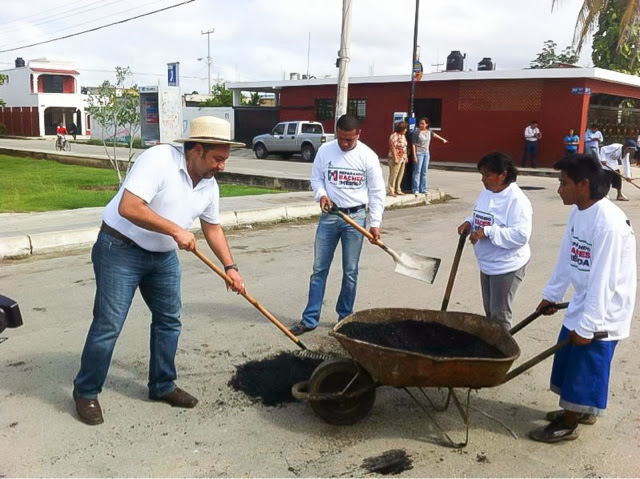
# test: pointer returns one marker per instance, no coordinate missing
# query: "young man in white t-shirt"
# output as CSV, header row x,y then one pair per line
x,y
598,259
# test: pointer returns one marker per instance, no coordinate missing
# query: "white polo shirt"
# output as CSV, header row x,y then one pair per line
x,y
159,176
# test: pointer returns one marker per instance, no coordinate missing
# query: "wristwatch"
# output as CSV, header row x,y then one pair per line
x,y
230,266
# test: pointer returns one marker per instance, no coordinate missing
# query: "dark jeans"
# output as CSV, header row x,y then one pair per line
x,y
530,150
121,269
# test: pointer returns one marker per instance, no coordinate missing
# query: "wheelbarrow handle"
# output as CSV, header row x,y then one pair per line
x,y
252,300
544,355
529,319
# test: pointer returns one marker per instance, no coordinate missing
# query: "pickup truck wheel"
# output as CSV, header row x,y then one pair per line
x,y
308,152
260,151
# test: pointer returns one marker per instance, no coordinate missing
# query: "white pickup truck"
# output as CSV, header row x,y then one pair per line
x,y
290,137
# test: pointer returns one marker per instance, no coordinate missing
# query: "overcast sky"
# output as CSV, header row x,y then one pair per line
x,y
269,39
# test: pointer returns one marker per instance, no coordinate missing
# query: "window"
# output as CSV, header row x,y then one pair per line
x,y
278,129
291,129
311,128
432,109
324,109
357,108
52,84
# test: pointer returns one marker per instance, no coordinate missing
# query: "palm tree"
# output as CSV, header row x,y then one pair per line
x,y
587,22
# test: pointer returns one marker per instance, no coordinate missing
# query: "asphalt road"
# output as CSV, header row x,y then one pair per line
x,y
229,435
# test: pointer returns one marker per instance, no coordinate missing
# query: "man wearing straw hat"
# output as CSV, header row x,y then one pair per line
x,y
143,226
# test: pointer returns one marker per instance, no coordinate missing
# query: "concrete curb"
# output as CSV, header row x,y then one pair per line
x,y
23,246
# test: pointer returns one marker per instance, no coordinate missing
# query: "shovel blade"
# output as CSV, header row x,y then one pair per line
x,y
422,268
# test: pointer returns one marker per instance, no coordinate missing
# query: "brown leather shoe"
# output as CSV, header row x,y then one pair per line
x,y
177,398
89,411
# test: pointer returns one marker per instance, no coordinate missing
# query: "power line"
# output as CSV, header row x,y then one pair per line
x,y
62,15
104,17
96,28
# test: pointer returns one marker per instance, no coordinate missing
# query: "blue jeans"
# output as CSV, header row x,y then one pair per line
x,y
530,150
420,172
331,229
119,270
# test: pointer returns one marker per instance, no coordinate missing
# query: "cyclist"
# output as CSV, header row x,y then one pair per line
x,y
61,131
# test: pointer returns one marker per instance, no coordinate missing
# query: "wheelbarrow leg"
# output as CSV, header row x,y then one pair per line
x,y
465,416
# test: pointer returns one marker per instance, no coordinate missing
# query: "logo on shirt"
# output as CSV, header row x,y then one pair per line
x,y
481,219
346,178
580,257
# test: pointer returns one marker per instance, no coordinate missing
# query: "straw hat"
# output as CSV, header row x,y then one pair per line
x,y
209,129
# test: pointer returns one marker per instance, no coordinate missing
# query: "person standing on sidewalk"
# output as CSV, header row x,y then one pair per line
x,y
346,174
532,136
571,142
500,229
143,226
397,158
598,259
420,142
592,140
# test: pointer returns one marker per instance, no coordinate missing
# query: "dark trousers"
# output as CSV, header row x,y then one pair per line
x,y
530,150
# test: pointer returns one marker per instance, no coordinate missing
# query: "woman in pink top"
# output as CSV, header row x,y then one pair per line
x,y
397,158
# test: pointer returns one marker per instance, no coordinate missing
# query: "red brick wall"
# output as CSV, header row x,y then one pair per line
x,y
477,116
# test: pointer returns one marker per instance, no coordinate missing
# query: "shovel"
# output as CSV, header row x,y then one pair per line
x,y
306,352
454,270
422,268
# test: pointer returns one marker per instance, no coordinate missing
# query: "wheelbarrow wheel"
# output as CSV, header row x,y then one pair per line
x,y
332,377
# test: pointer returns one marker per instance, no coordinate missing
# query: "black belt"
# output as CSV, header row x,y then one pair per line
x,y
115,233
353,209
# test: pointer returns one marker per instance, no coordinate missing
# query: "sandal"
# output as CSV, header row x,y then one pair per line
x,y
554,432
583,418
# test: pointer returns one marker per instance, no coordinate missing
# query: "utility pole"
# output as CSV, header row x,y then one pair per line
x,y
414,59
207,33
308,54
343,62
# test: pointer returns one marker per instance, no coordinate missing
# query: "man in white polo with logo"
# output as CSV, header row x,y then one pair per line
x,y
346,173
143,226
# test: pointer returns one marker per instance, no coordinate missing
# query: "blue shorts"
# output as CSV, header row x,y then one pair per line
x,y
580,375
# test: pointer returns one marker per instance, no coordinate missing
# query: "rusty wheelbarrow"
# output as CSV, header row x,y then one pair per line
x,y
342,391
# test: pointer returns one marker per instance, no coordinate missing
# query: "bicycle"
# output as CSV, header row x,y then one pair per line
x,y
62,144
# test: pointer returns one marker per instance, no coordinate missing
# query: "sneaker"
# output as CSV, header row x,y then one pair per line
x,y
583,418
300,328
554,432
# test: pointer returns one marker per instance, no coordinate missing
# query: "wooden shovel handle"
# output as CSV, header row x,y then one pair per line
x,y
251,299
454,270
362,230
628,180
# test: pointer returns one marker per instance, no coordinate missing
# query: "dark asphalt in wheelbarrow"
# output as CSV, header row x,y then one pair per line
x,y
270,379
432,339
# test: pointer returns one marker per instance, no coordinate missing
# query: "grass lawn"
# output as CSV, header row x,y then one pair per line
x,y
41,185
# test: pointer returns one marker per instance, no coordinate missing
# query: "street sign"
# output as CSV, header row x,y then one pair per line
x,y
172,74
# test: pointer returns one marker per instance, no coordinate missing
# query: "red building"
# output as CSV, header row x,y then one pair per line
x,y
477,111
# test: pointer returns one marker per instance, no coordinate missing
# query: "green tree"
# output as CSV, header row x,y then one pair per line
x,y
220,96
548,58
608,52
3,78
628,12
114,107
254,99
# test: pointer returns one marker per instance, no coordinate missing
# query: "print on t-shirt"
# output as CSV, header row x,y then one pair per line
x,y
345,178
481,219
580,257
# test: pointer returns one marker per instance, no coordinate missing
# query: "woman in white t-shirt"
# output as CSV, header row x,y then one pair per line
x,y
500,229
420,142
